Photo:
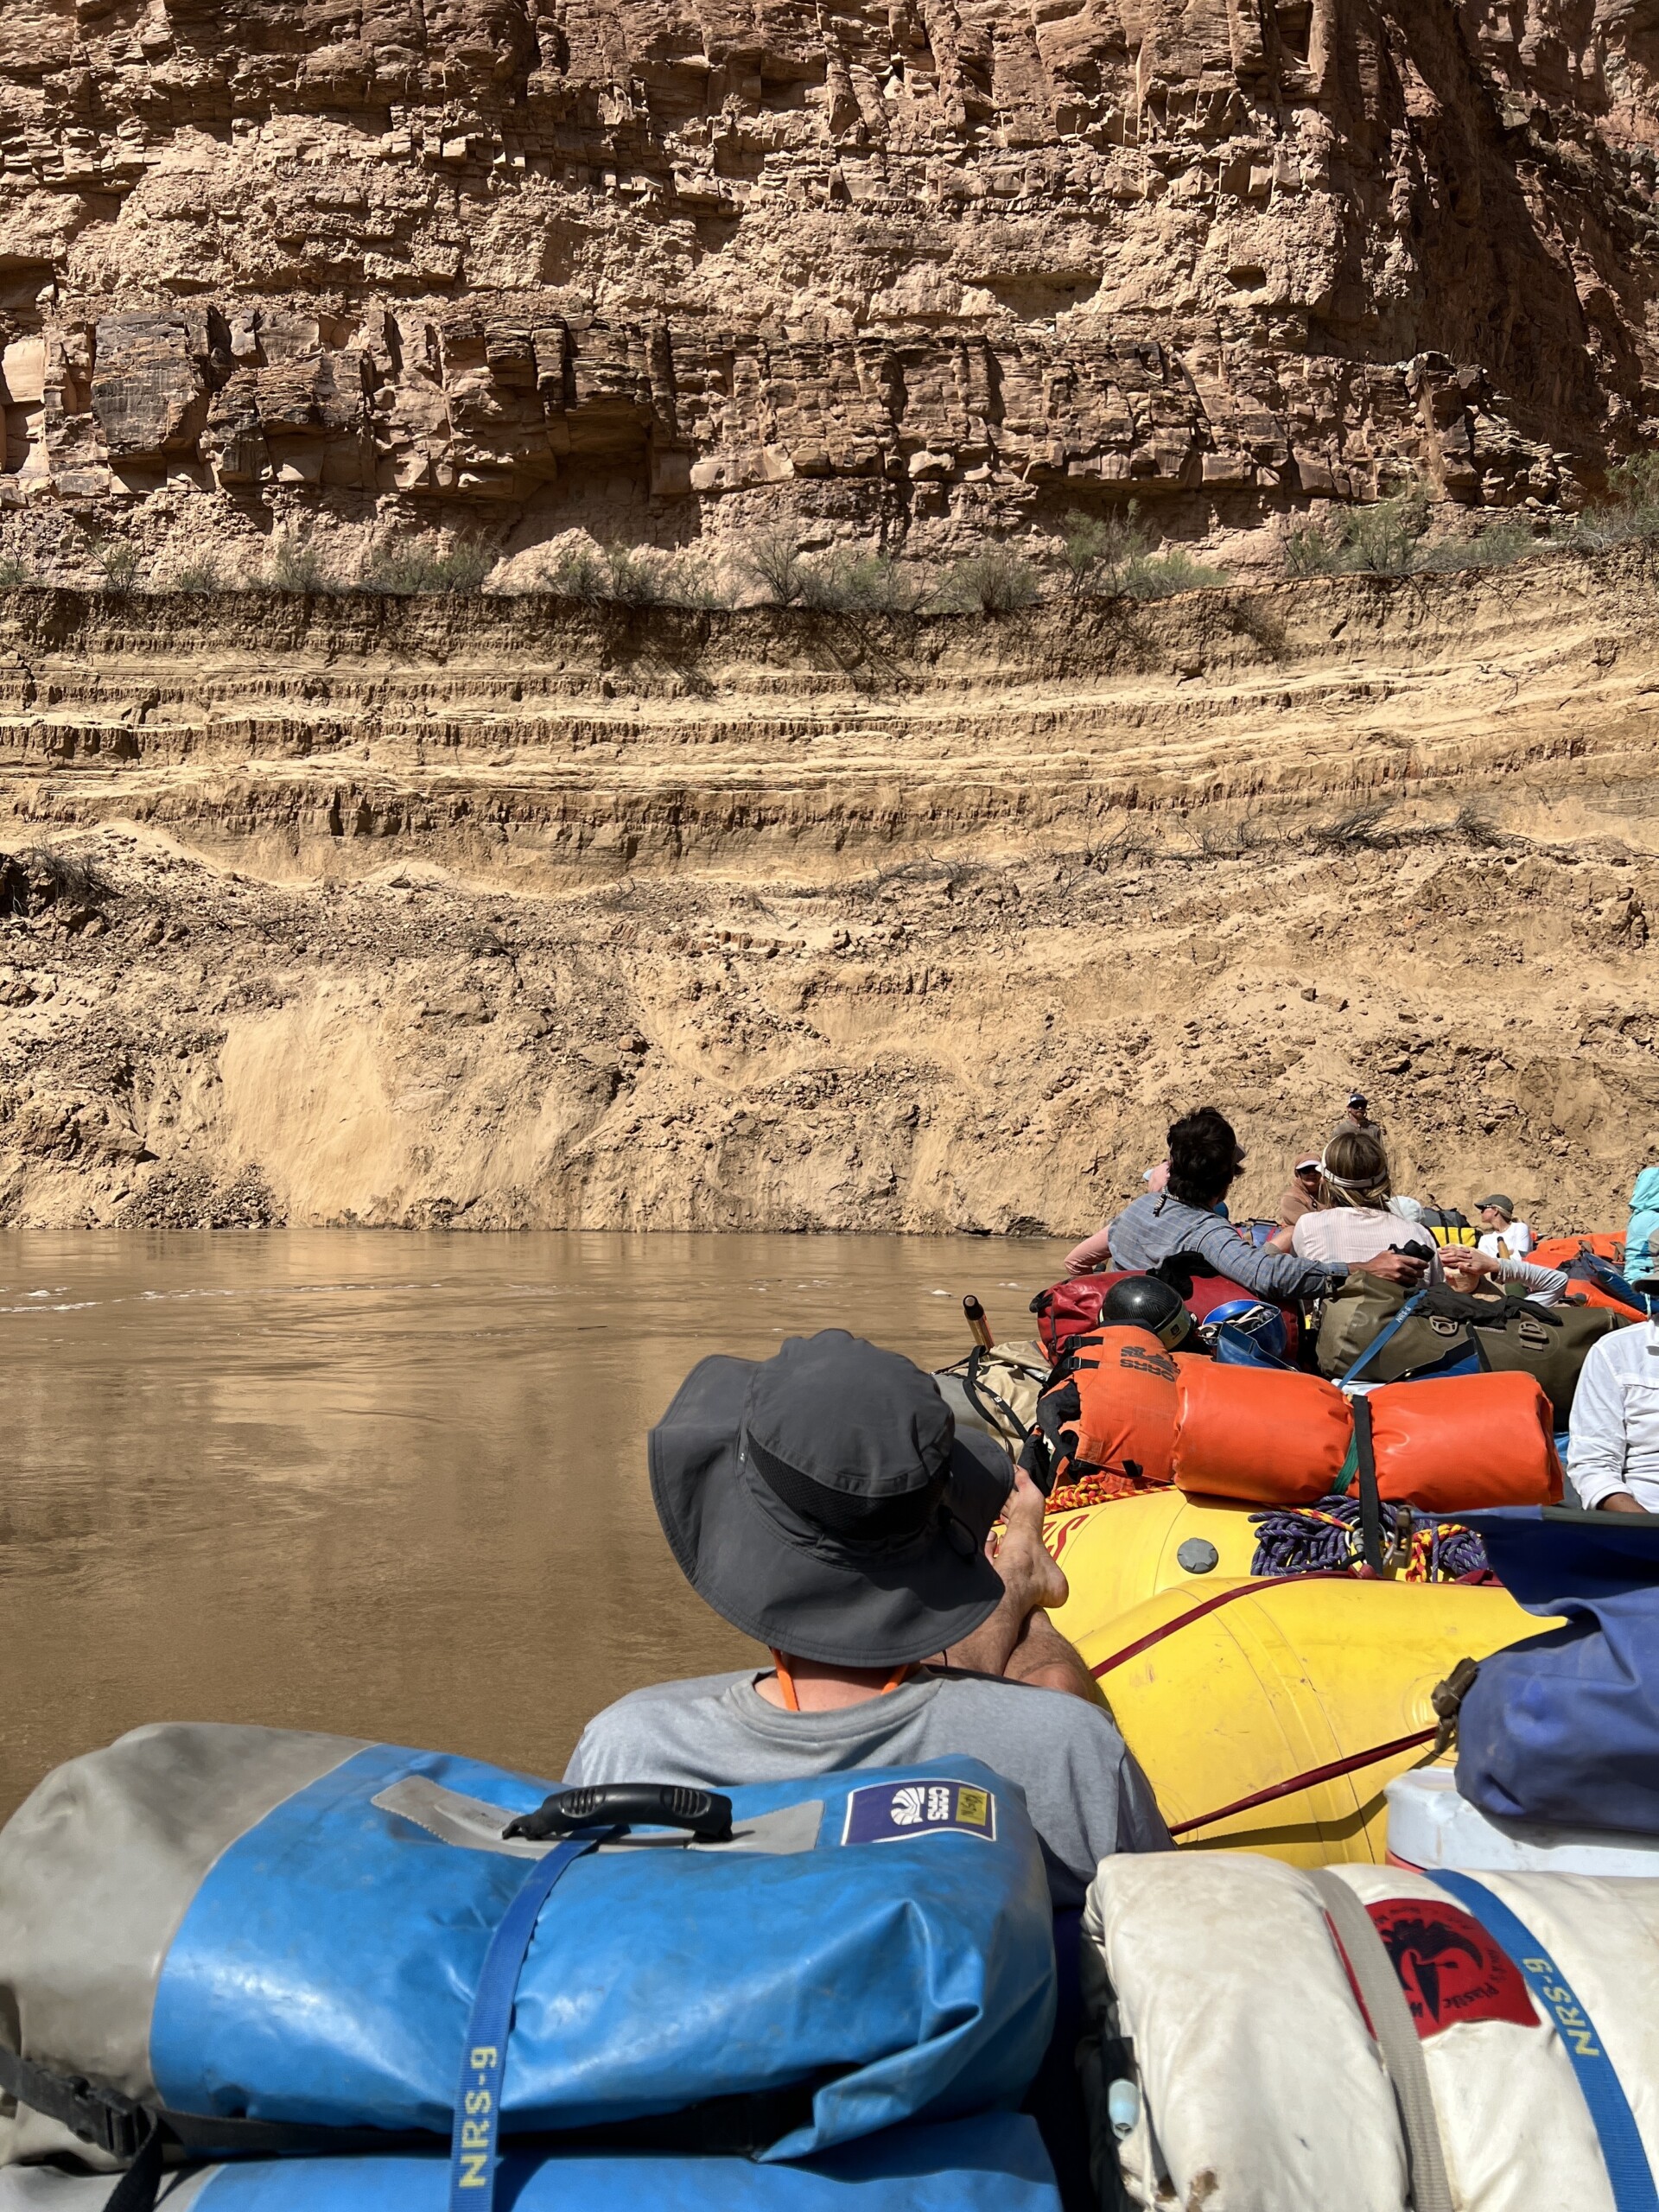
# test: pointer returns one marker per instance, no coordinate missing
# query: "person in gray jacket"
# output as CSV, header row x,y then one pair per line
x,y
824,1502
1204,1160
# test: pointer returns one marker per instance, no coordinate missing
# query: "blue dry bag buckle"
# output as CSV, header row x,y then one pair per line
x,y
585,1819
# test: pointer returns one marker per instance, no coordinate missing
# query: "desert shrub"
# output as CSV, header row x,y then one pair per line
x,y
36,878
1508,539
633,578
997,582
885,587
119,561
1386,539
576,572
1160,575
200,574
1633,485
459,565
1628,509
1113,557
1097,552
1312,551
772,559
16,570
844,582
294,564
690,580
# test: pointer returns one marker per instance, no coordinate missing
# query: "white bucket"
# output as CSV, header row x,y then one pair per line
x,y
1430,1826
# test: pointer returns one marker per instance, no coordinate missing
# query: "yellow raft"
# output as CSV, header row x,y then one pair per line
x,y
1227,1689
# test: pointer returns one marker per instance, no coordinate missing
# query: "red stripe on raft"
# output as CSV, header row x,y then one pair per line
x,y
1254,1589
1298,1781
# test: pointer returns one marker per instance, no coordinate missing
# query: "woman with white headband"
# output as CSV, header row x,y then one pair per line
x,y
1353,1220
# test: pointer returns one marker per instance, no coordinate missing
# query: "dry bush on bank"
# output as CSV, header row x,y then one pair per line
x,y
403,570
1112,557
294,564
997,582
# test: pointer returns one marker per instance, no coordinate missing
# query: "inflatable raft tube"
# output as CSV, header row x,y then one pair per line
x,y
1118,1555
1271,1715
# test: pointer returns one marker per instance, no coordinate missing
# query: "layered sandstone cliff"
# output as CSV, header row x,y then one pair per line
x,y
493,913
918,272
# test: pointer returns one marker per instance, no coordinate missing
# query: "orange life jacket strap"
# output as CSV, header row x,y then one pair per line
x,y
792,1696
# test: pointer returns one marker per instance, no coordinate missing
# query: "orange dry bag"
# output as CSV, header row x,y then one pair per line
x,y
1562,1251
1276,1437
1110,1412
1465,1440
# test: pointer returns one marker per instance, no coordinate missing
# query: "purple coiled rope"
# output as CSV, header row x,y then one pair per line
x,y
1325,1539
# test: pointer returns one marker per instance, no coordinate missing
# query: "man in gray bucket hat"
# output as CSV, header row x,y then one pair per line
x,y
822,1502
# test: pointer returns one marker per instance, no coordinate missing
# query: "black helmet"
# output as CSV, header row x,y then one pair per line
x,y
1146,1303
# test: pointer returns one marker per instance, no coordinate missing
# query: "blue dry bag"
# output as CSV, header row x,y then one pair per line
x,y
1565,1726
254,1925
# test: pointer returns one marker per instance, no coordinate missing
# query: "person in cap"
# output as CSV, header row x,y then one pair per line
x,y
1356,1115
824,1502
1301,1194
1504,1237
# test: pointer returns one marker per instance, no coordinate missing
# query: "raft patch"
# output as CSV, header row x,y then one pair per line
x,y
890,1813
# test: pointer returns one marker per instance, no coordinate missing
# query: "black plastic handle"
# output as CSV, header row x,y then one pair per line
x,y
619,1804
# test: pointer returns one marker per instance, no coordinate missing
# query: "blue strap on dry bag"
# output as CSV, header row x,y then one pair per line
x,y
473,2147
1382,1337
1622,2150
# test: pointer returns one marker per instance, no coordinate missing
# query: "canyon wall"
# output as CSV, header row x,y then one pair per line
x,y
915,274
497,913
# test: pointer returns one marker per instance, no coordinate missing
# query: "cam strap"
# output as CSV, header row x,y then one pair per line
x,y
473,2147
1370,1503
1392,1328
139,2134
1372,1972
1622,2152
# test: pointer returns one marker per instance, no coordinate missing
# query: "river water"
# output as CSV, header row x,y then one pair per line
x,y
391,1486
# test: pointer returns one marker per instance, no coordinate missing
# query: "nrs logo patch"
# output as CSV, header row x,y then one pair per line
x,y
889,1812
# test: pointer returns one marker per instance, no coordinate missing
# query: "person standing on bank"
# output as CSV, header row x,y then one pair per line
x,y
822,1502
1356,1115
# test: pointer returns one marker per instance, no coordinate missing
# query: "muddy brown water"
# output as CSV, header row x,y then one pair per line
x,y
388,1486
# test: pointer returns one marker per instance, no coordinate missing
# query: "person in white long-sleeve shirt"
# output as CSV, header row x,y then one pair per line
x,y
1613,1459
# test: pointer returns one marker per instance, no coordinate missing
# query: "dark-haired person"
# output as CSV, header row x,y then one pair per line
x,y
1204,1161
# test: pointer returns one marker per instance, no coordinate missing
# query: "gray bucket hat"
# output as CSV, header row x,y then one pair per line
x,y
822,1502
1499,1204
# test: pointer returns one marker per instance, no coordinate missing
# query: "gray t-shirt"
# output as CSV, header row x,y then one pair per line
x,y
1086,1796
1155,1227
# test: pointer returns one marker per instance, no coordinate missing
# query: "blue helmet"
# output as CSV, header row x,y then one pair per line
x,y
1262,1325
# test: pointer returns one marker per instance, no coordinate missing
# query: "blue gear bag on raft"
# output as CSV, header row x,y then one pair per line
x,y
259,1926
1565,1726
993,2162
